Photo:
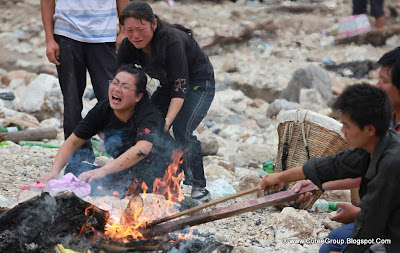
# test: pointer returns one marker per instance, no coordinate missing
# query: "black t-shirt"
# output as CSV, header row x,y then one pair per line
x,y
184,61
145,124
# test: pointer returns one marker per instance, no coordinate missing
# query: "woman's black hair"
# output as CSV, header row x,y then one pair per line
x,y
143,11
141,80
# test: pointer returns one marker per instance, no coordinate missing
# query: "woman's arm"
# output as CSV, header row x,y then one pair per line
x,y
129,158
67,149
173,109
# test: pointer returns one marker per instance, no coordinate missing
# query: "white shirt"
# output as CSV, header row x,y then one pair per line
x,y
92,21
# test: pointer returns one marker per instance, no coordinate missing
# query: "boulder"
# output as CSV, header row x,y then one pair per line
x,y
43,98
293,223
312,77
281,104
15,74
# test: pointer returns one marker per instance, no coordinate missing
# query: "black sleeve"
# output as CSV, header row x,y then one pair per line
x,y
177,68
123,53
149,127
91,124
347,164
379,206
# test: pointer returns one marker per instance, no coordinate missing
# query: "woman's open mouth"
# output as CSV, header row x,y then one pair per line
x,y
115,98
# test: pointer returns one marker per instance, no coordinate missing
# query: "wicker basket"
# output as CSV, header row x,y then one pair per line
x,y
304,134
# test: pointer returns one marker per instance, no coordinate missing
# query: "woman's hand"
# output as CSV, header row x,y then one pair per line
x,y
167,125
346,213
48,176
89,176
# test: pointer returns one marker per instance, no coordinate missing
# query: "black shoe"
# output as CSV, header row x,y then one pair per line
x,y
200,194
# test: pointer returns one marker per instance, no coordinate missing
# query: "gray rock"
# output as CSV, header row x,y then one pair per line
x,y
4,202
312,77
281,104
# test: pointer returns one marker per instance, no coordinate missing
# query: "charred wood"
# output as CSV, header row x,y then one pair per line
x,y
40,223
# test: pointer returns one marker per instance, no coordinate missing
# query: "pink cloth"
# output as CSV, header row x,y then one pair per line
x,y
69,182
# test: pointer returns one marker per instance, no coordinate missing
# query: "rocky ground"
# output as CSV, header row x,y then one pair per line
x,y
260,51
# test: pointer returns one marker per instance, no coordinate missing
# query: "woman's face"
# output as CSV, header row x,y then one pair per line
x,y
122,93
140,32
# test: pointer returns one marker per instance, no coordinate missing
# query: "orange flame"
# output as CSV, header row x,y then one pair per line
x,y
169,185
124,226
185,237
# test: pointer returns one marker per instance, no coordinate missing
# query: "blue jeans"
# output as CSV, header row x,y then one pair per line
x,y
198,100
76,57
342,232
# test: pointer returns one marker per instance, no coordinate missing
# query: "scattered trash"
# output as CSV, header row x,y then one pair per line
x,y
220,188
69,182
7,96
37,144
321,205
268,167
11,129
325,39
30,191
98,149
354,25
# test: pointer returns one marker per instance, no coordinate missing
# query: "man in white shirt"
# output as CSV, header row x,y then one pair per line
x,y
81,36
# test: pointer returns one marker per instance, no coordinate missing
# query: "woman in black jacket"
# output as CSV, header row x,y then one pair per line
x,y
169,54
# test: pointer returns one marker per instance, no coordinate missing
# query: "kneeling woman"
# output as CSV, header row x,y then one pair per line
x,y
133,135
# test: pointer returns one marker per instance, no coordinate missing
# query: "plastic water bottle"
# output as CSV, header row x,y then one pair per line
x,y
321,205
37,144
11,129
29,191
268,167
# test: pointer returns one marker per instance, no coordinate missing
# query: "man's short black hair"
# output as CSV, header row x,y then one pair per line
x,y
392,60
366,105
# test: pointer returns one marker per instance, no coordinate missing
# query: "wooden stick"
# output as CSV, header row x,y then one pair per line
x,y
205,205
30,135
225,212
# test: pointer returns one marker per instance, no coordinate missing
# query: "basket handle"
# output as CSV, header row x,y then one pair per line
x,y
305,137
285,148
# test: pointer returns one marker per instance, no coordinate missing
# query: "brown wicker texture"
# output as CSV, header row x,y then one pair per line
x,y
321,142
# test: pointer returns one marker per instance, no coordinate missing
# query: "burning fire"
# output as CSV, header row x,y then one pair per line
x,y
125,225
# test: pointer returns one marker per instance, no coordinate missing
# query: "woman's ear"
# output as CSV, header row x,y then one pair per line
x,y
154,25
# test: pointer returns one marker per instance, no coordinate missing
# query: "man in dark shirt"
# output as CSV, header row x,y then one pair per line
x,y
365,114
